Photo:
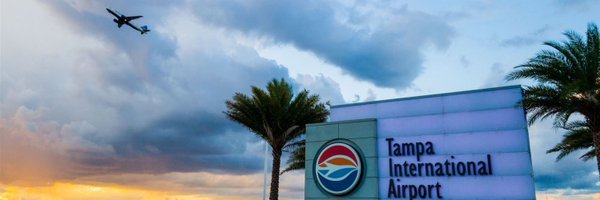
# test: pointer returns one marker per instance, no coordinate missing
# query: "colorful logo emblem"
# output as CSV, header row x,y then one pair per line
x,y
338,168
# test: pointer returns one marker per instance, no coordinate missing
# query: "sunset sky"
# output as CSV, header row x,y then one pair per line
x,y
92,111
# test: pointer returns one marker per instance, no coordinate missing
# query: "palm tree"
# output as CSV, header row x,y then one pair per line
x,y
568,83
296,160
278,117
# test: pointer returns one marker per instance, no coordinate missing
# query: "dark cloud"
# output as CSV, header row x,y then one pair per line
x,y
145,54
194,141
186,133
117,102
577,179
387,54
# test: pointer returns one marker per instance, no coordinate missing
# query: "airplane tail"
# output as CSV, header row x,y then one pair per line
x,y
144,29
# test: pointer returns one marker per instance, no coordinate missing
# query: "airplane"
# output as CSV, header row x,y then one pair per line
x,y
122,19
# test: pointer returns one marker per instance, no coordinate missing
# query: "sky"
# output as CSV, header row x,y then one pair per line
x,y
89,110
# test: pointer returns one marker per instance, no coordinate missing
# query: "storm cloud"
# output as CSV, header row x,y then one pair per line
x,y
94,99
371,42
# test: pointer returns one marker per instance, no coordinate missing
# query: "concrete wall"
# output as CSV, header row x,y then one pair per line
x,y
363,133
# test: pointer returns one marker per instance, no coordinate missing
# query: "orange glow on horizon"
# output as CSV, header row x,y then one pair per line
x,y
70,191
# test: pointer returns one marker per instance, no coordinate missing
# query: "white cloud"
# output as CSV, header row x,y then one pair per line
x,y
325,87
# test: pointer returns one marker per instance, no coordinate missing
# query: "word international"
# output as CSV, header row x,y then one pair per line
x,y
447,168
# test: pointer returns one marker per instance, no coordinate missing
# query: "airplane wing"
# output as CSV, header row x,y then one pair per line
x,y
113,13
134,27
129,18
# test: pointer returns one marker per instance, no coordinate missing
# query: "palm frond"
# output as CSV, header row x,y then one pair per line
x,y
567,80
296,160
574,140
588,155
278,116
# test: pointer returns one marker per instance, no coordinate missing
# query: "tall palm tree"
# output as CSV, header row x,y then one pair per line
x,y
568,82
278,117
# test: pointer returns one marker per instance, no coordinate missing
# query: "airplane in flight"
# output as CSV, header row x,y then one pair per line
x,y
122,19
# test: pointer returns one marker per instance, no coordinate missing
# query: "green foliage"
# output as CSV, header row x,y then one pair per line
x,y
276,115
279,117
568,82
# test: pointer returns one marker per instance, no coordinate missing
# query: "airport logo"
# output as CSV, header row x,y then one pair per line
x,y
338,168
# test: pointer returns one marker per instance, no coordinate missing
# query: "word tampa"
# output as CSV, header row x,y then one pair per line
x,y
448,168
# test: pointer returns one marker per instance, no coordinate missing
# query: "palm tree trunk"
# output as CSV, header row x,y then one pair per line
x,y
274,195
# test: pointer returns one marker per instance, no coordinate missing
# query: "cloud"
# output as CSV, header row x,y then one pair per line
x,y
86,99
575,6
464,61
495,77
195,141
569,173
519,41
567,194
189,186
325,87
29,147
372,96
377,43
532,38
139,60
